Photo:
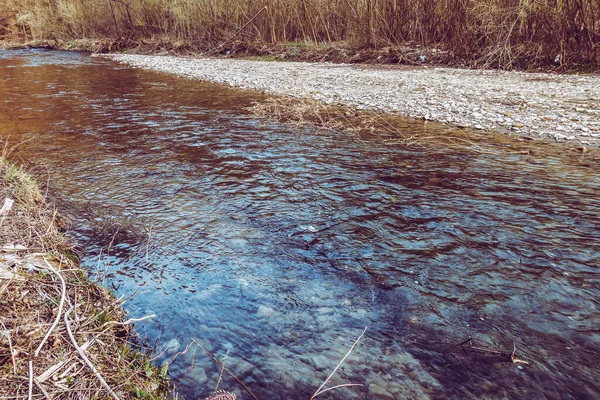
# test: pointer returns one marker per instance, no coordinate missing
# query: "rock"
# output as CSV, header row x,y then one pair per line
x,y
322,362
266,312
171,347
198,375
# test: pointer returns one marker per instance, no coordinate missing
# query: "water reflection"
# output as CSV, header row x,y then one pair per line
x,y
274,248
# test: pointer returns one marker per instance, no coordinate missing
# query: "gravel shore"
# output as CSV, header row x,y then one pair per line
x,y
537,105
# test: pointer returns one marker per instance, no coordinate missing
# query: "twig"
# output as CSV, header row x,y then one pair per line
x,y
187,348
129,321
319,391
84,357
340,386
39,385
10,347
60,305
30,393
220,378
228,371
514,359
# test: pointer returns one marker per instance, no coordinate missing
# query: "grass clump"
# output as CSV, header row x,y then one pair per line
x,y
363,124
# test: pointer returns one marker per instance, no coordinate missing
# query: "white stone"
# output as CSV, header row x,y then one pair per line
x,y
266,312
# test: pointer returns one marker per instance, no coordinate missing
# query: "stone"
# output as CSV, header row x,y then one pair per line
x,y
322,362
266,312
198,375
171,347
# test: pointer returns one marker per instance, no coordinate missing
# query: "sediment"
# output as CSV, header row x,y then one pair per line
x,y
559,107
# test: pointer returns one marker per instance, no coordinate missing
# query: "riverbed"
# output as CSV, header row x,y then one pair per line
x,y
476,272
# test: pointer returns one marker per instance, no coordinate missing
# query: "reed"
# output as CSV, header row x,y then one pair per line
x,y
499,33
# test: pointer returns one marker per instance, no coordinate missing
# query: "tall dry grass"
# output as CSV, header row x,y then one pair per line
x,y
496,32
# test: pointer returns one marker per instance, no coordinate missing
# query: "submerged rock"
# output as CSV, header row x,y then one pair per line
x,y
171,347
267,312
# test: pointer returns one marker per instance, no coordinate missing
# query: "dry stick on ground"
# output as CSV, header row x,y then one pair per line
x,y
63,296
84,357
319,390
39,385
225,369
10,347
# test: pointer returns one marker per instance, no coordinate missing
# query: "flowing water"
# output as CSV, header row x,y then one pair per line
x,y
274,247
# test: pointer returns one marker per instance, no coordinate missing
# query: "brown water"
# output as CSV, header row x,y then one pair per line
x,y
274,248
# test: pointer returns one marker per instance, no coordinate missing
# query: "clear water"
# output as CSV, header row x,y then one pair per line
x,y
274,247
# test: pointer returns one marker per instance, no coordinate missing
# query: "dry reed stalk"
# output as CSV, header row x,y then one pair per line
x,y
499,33
320,390
362,124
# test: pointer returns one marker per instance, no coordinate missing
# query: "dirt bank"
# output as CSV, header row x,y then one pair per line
x,y
61,336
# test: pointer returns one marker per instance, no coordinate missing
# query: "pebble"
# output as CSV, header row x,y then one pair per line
x,y
468,98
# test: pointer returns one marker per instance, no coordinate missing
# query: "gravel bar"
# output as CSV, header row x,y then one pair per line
x,y
538,105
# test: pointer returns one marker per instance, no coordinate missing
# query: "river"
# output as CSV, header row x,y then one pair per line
x,y
274,247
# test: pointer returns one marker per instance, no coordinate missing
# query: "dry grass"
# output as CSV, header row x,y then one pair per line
x,y
499,33
32,223
49,309
362,124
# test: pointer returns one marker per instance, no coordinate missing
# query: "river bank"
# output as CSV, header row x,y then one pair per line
x,y
61,335
558,107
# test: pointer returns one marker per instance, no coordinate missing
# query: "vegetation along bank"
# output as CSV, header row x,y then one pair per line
x,y
507,34
61,335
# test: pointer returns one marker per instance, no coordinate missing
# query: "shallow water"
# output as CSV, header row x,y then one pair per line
x,y
274,247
